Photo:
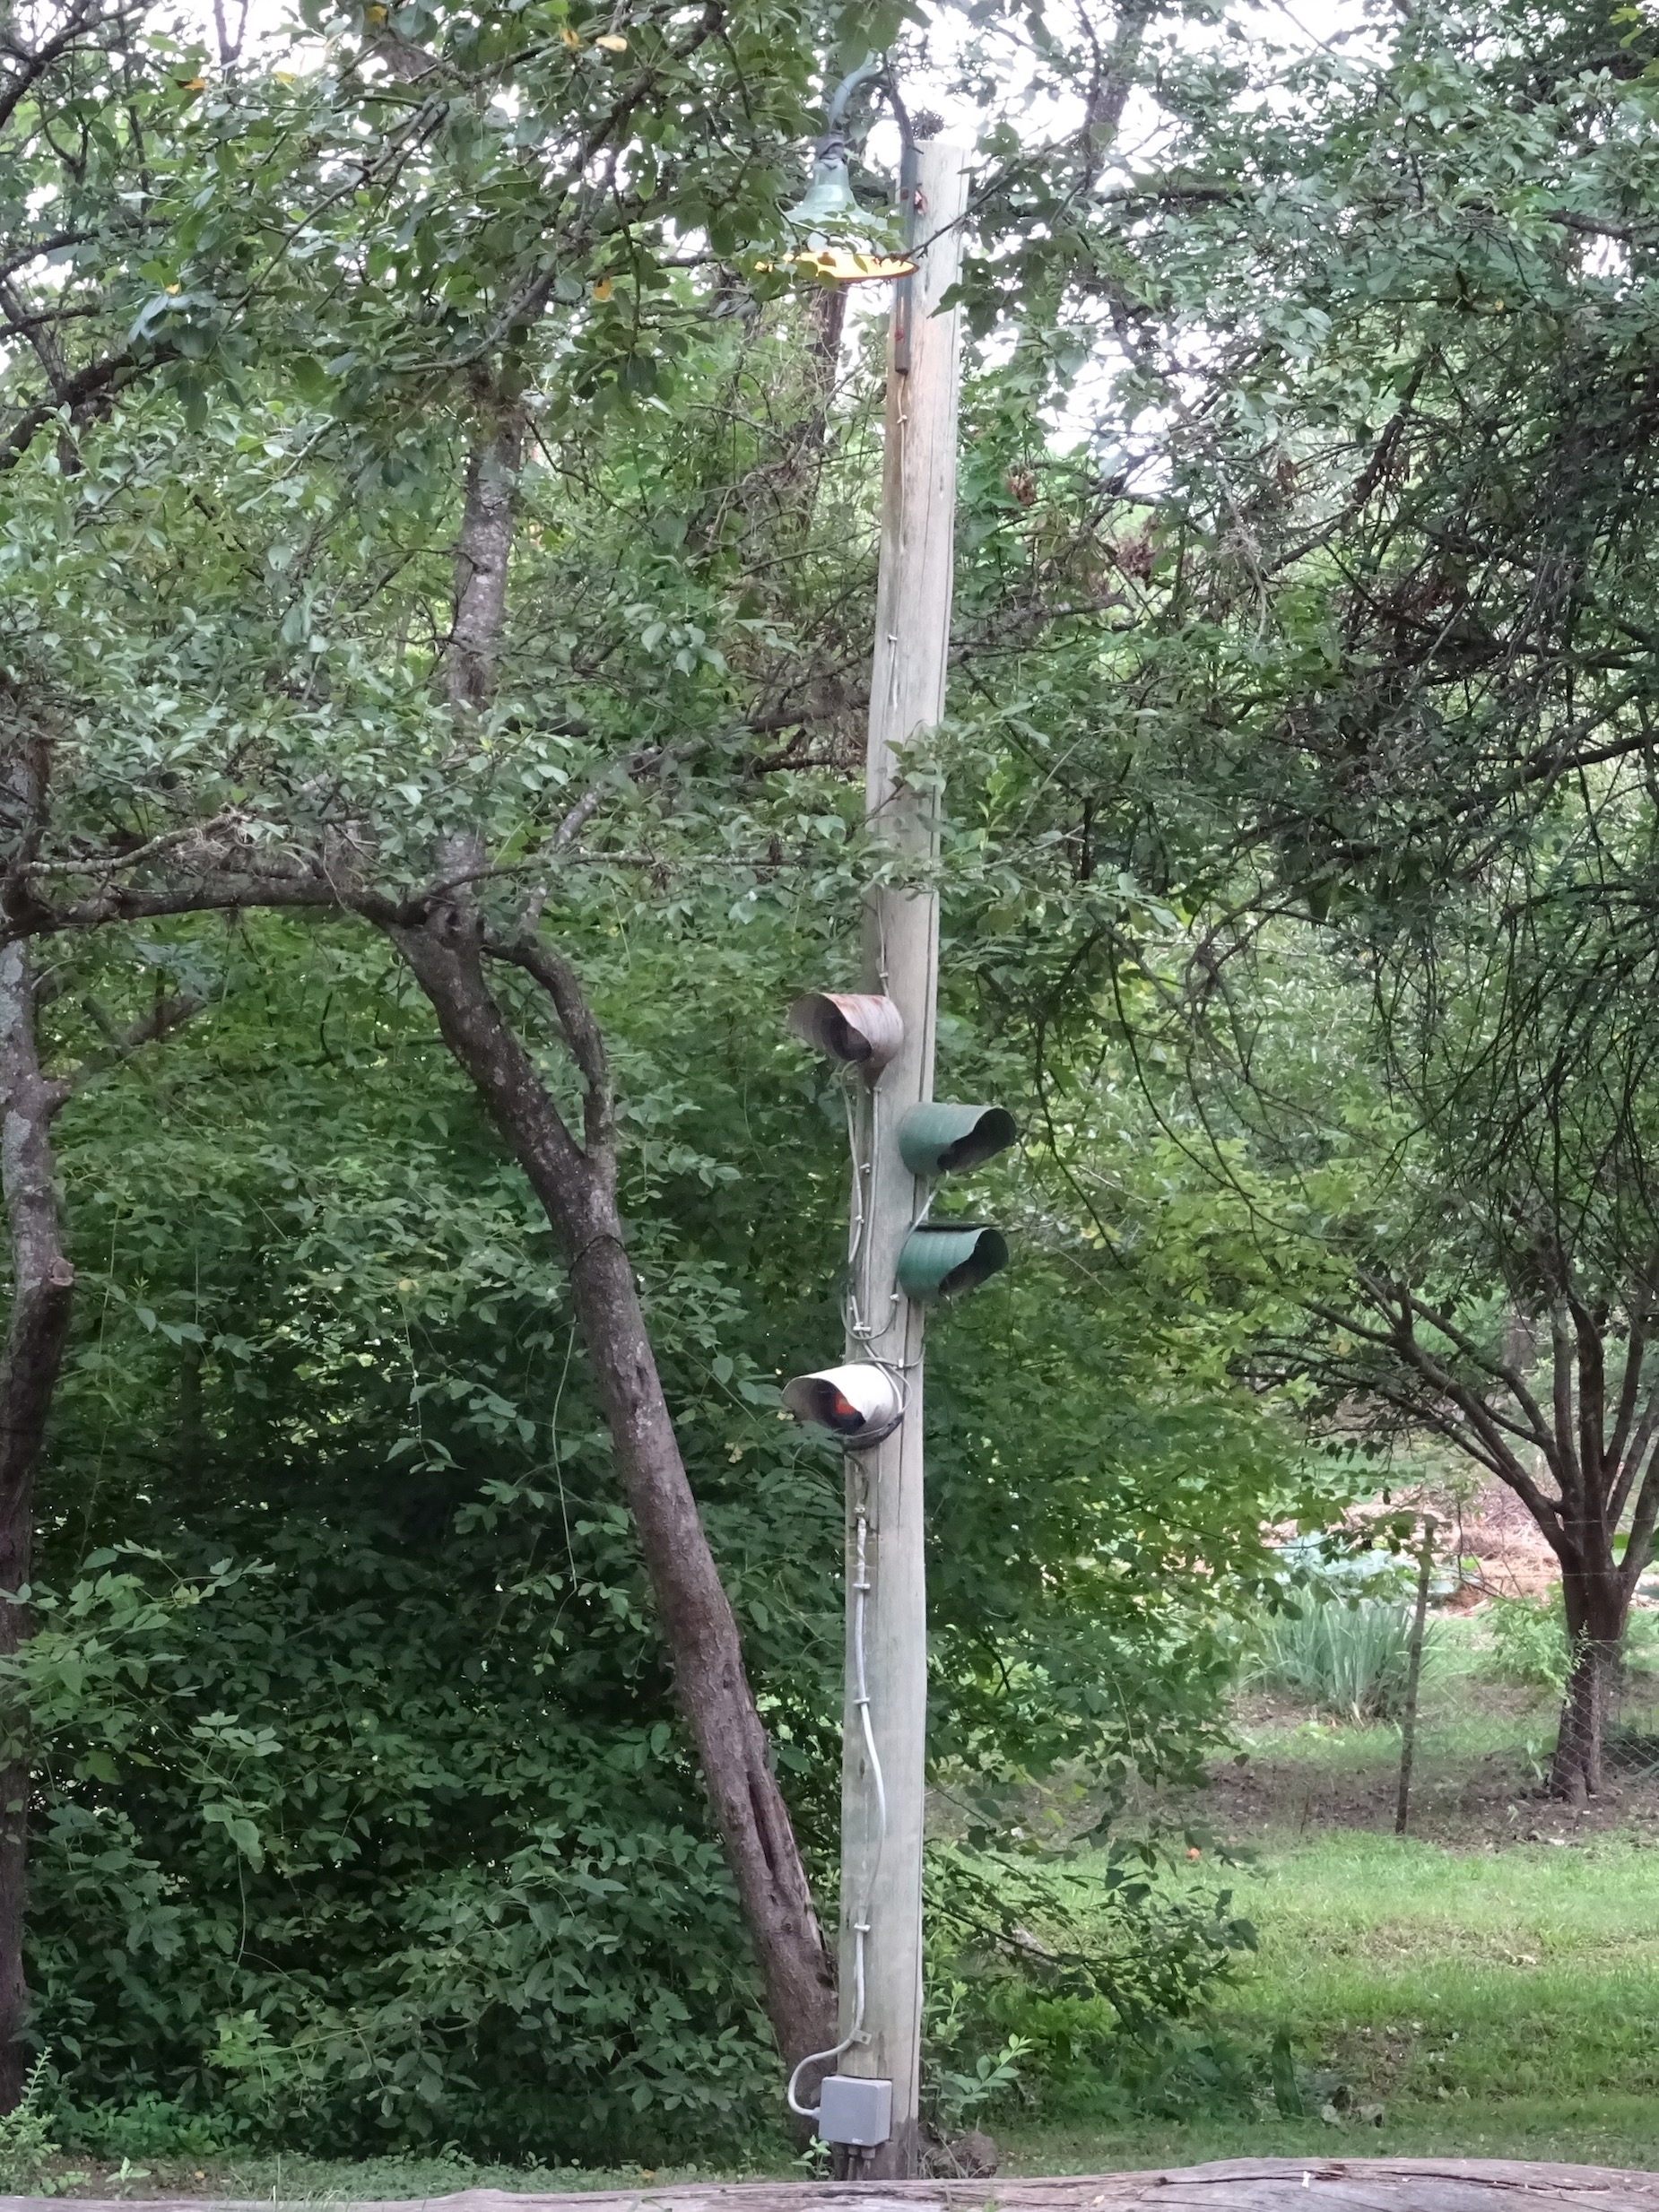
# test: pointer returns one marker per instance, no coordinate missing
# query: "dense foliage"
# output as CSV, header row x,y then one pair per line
x,y
1347,784
364,1808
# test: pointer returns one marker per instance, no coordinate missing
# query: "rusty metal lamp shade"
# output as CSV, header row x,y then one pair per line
x,y
941,1259
941,1140
861,1030
860,1403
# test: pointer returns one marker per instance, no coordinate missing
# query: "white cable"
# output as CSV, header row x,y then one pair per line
x,y
861,1927
814,2057
863,1333
850,1312
861,1692
855,1236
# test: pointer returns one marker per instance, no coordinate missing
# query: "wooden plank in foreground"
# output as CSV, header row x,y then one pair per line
x,y
1231,2185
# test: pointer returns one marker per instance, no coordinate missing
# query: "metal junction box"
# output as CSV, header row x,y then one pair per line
x,y
852,2109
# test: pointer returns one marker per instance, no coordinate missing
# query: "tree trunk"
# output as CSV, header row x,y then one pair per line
x,y
1575,1770
42,1295
482,553
1597,1604
576,1184
576,1190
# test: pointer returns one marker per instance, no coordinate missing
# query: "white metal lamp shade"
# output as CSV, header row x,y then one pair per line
x,y
860,1029
860,1404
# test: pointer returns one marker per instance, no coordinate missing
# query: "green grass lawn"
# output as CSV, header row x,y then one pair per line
x,y
1494,2002
337,2182
334,2181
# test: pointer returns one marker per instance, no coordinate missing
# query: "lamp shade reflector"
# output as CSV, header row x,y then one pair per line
x,y
841,264
941,1259
861,1030
860,1404
830,205
939,1139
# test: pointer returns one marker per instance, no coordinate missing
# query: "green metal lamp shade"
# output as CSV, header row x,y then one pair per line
x,y
830,204
939,1139
829,197
942,1258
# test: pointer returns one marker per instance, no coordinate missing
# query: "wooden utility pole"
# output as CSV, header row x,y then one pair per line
x,y
881,1858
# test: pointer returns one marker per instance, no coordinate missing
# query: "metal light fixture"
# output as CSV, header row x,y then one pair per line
x,y
941,1259
860,1403
828,199
859,1028
828,204
937,1139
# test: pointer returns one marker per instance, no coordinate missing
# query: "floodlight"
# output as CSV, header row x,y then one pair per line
x,y
861,1030
939,1139
860,1403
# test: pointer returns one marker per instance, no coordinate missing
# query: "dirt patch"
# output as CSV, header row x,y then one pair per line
x,y
1498,1547
1489,1801
1346,1776
138,2181
1511,1559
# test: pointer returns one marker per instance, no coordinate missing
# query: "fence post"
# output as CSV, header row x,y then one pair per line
x,y
1413,1675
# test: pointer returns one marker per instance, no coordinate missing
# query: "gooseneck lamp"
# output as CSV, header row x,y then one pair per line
x,y
830,204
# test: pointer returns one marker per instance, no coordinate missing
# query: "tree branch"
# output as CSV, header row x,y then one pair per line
x,y
33,65
163,1017
1480,1417
1630,1391
581,1033
85,384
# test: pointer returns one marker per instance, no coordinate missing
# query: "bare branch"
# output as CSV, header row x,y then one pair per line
x,y
1633,1458
1568,1473
54,242
1629,1392
1480,1417
82,18
636,765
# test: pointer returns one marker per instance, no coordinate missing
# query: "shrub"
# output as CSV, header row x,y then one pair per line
x,y
1074,1984
379,1899
26,2144
1530,1644
148,2126
1349,1658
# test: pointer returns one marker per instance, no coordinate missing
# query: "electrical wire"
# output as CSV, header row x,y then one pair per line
x,y
861,1688
861,1698
860,1210
862,1332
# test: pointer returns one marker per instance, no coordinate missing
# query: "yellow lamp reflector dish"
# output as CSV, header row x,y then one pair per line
x,y
837,265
